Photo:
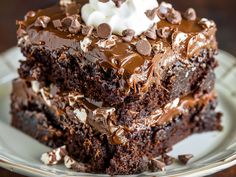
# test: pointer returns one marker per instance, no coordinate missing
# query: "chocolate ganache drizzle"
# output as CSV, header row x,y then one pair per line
x,y
138,60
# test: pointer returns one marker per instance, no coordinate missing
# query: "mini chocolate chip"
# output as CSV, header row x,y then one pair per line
x,y
104,30
190,14
30,14
103,1
42,21
156,165
128,35
185,158
87,30
164,32
57,23
144,47
151,13
118,3
174,17
151,33
72,23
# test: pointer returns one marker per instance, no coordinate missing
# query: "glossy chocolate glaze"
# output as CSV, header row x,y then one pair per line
x,y
186,41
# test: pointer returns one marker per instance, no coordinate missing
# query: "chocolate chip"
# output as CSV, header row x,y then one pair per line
x,y
30,14
104,1
87,30
144,47
77,166
167,159
156,165
57,23
42,21
104,30
190,14
164,32
151,13
72,23
185,158
118,3
151,33
174,17
128,35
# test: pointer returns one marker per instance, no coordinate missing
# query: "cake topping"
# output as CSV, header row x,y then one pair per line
x,y
55,156
87,30
72,23
65,2
185,158
104,30
190,14
151,13
77,166
174,17
85,43
144,47
127,16
156,165
151,33
30,14
205,23
57,23
42,21
107,43
164,32
128,35
118,3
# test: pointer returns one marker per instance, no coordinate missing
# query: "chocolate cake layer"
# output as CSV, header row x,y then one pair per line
x,y
86,143
113,70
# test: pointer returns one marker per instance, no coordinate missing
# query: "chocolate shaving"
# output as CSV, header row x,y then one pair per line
x,y
128,35
30,14
57,23
174,17
190,14
151,13
72,23
87,30
42,21
104,30
156,165
164,32
144,47
167,159
77,166
185,158
151,33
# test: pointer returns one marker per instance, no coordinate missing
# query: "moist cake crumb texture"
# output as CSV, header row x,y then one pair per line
x,y
111,94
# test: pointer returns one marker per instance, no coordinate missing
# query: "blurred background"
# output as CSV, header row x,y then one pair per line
x,y
222,11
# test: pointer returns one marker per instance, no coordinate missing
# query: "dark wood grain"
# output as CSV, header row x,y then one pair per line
x,y
222,11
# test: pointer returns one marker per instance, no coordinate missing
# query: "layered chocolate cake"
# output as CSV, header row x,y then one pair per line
x,y
115,83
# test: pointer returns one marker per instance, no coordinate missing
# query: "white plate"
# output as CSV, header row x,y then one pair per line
x,y
212,151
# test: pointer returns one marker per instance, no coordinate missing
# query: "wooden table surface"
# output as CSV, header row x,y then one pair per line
x,y
223,12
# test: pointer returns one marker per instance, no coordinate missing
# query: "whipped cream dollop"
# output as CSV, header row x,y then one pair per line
x,y
130,15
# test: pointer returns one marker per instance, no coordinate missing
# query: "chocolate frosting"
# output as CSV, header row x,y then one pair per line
x,y
174,42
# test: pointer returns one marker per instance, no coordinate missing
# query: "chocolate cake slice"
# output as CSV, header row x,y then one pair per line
x,y
92,137
114,83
